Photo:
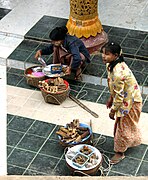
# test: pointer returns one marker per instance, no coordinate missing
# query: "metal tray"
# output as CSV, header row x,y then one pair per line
x,y
48,71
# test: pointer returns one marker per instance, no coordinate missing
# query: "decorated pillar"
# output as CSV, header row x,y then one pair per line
x,y
84,23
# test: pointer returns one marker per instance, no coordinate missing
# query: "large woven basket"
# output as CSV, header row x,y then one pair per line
x,y
55,98
33,81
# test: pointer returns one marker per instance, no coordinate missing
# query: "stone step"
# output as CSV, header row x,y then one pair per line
x,y
86,78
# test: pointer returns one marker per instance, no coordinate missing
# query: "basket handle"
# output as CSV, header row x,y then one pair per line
x,y
77,171
25,65
49,95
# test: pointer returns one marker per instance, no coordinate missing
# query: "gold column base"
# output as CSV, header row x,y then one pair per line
x,y
84,28
94,44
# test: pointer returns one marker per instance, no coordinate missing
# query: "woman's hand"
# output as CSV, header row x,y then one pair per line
x,y
112,114
68,71
109,102
38,54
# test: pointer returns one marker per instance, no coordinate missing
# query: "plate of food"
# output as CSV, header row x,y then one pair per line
x,y
78,160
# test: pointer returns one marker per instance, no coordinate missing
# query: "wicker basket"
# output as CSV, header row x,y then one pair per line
x,y
55,98
33,81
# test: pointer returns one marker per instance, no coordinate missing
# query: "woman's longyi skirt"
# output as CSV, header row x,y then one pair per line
x,y
126,131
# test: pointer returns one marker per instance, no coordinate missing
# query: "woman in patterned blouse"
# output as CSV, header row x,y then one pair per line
x,y
125,101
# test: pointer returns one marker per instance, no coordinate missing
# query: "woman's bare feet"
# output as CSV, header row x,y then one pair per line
x,y
117,158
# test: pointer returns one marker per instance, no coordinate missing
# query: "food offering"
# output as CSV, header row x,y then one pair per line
x,y
80,159
86,150
74,133
77,159
56,69
53,85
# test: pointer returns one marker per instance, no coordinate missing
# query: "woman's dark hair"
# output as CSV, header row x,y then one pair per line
x,y
115,49
58,33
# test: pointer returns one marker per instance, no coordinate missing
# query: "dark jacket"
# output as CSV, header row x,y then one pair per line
x,y
74,46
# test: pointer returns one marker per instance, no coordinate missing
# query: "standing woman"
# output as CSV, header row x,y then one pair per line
x,y
125,101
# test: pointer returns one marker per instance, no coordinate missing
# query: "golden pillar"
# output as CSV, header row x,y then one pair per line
x,y
84,23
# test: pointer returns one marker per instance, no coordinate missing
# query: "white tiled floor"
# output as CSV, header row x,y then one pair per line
x,y
30,103
132,14
3,120
7,45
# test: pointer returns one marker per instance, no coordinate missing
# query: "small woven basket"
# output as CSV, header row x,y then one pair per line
x,y
55,98
33,81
